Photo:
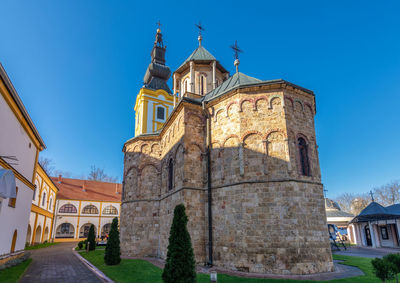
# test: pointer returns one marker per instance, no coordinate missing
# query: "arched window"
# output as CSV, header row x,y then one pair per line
x,y
303,153
203,84
185,86
90,209
110,210
43,198
170,174
65,230
50,202
68,208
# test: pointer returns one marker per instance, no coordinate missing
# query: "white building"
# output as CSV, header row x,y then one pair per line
x,y
377,226
81,203
20,144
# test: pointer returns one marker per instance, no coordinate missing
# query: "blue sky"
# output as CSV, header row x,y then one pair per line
x,y
78,66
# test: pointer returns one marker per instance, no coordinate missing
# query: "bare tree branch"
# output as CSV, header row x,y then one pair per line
x,y
98,174
47,165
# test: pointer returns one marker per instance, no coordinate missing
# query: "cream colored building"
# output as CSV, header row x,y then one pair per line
x,y
81,203
20,144
42,211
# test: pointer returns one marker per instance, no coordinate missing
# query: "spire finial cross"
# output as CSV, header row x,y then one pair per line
x,y
372,195
237,50
159,25
200,27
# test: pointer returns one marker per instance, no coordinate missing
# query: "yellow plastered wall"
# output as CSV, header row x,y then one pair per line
x,y
145,109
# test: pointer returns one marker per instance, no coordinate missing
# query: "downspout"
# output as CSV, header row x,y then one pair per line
x,y
208,140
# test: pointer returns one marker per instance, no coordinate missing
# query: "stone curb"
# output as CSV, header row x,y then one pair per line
x,y
93,268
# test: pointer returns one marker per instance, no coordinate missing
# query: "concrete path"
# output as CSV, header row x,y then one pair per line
x,y
367,252
57,264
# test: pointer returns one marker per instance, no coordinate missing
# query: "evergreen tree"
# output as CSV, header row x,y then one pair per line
x,y
180,264
91,240
395,260
383,269
112,255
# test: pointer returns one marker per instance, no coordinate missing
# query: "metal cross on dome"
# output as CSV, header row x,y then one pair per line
x,y
158,24
200,27
237,50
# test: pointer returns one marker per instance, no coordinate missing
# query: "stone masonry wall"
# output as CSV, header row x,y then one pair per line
x,y
267,217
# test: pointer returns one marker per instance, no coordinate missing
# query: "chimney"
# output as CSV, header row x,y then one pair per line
x,y
116,189
59,179
84,186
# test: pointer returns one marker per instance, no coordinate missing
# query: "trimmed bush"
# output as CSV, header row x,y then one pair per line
x,y
80,245
395,260
180,263
91,239
383,269
112,254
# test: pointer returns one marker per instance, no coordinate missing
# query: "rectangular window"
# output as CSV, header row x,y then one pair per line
x,y
384,233
160,113
13,201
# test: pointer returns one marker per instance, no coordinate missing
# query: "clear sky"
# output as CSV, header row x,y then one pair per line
x,y
78,65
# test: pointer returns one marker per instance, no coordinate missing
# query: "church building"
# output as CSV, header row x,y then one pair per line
x,y
240,153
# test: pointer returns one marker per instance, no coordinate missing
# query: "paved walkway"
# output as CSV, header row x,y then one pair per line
x,y
367,252
57,264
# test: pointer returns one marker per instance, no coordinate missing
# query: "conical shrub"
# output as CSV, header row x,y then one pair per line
x,y
180,264
112,255
91,239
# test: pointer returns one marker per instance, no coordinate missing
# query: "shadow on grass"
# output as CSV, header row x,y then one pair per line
x,y
13,274
135,270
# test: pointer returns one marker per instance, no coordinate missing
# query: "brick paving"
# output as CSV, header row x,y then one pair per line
x,y
57,264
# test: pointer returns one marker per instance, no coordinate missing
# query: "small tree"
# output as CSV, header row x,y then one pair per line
x,y
91,240
112,255
395,260
383,269
180,264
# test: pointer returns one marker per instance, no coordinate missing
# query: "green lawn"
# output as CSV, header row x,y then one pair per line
x,y
12,274
39,246
133,270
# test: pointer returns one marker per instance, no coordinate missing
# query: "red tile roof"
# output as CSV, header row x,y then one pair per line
x,y
77,189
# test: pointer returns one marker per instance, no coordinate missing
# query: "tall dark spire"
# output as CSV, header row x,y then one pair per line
x,y
157,73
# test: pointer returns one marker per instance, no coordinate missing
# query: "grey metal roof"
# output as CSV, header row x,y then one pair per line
x,y
18,101
338,213
237,80
200,54
374,211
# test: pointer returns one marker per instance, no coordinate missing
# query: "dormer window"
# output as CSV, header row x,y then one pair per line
x,y
160,113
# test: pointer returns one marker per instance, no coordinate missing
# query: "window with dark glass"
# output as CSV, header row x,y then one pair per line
x,y
90,209
68,208
160,113
304,161
43,198
201,85
34,193
110,210
170,174
384,233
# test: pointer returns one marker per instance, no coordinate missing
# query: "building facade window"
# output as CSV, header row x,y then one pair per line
x,y
170,174
34,193
384,233
68,208
160,113
203,83
65,230
90,209
304,161
43,198
50,203
110,210
13,201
